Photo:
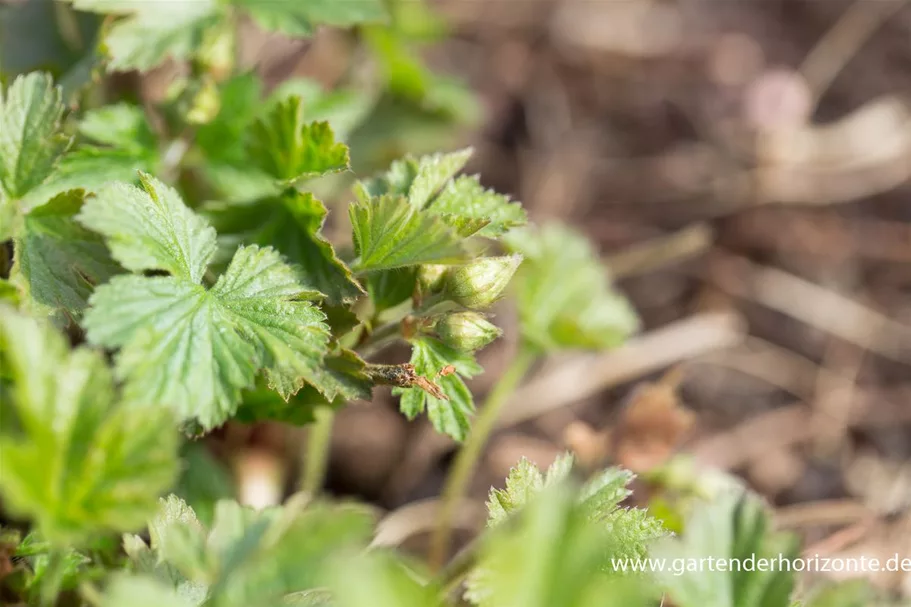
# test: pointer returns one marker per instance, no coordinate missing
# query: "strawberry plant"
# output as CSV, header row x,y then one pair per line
x,y
166,269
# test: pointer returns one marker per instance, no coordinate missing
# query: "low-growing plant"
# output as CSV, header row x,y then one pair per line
x,y
167,269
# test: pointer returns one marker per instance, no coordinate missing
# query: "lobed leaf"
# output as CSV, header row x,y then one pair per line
x,y
71,457
430,357
524,482
150,228
299,17
30,138
191,348
155,30
390,233
564,295
286,147
466,199
292,223
194,349
552,557
122,125
248,557
733,526
382,581
57,260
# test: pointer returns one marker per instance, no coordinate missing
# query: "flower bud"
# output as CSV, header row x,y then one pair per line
x,y
430,278
480,283
466,331
204,102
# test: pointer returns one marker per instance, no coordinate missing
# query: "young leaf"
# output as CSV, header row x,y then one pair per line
x,y
151,228
292,223
382,581
122,126
153,31
71,458
433,173
396,180
419,179
57,260
249,557
465,199
298,18
564,295
734,526
343,108
524,482
286,147
89,168
342,370
389,288
188,347
141,591
431,359
599,499
390,233
30,141
552,557
121,144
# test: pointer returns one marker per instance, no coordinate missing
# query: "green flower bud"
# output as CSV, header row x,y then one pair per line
x,y
430,278
480,283
466,331
204,102
215,55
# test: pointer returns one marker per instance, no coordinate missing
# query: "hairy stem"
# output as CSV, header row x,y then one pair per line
x,y
317,454
467,458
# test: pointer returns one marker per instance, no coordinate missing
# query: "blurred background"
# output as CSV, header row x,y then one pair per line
x,y
742,167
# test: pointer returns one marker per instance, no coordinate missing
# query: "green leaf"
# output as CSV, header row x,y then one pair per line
x,y
299,17
194,349
633,530
389,288
396,180
847,593
524,482
381,581
389,233
419,179
552,557
154,30
141,591
252,557
564,294
57,260
292,223
343,370
286,147
71,458
30,141
344,109
150,228
121,125
221,139
465,199
429,357
90,168
204,479
734,526
433,173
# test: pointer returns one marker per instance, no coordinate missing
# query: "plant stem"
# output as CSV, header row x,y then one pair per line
x,y
317,454
379,339
467,458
